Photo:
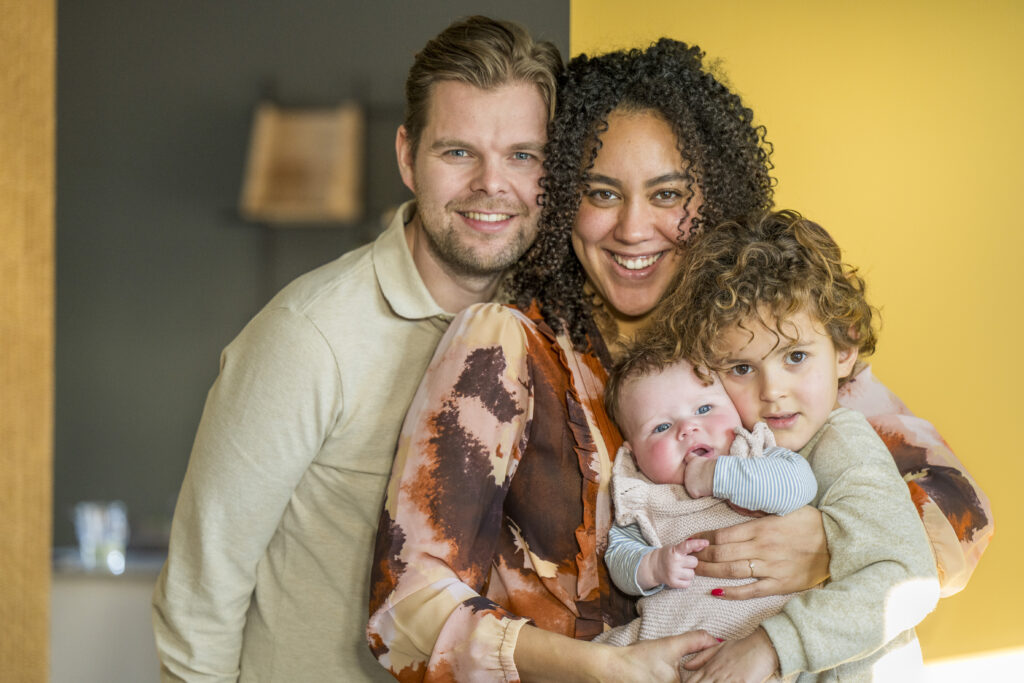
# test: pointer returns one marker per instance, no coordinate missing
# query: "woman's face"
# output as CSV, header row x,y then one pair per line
x,y
628,223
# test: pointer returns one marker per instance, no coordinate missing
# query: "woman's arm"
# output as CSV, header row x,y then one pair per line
x,y
457,453
956,513
542,656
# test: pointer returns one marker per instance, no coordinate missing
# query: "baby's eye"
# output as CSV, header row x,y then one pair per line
x,y
796,357
704,409
662,427
740,370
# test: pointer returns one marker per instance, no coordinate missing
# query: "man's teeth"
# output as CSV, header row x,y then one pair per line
x,y
487,217
637,262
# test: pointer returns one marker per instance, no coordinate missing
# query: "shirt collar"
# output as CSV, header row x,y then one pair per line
x,y
396,272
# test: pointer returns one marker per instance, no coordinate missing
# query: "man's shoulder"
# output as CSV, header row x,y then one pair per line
x,y
355,280
343,278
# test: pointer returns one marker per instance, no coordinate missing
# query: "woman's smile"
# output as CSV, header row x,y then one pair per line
x,y
634,212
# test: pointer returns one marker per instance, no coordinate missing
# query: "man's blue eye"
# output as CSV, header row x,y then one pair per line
x,y
662,427
704,409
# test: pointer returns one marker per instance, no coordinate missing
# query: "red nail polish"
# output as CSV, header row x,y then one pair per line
x,y
721,640
718,591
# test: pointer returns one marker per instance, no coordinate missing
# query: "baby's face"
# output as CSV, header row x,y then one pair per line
x,y
670,413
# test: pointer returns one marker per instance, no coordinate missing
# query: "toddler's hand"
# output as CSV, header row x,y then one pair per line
x,y
699,475
671,566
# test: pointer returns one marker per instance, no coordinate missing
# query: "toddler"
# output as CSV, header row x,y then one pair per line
x,y
769,307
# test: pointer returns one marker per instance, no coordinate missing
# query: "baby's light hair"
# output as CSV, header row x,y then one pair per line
x,y
764,270
643,357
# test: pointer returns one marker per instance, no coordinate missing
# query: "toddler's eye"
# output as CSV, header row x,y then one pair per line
x,y
741,370
704,409
796,357
662,427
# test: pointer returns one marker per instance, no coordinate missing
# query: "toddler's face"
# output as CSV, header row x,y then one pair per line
x,y
670,413
790,385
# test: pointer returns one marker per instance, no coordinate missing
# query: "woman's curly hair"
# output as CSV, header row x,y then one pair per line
x,y
726,157
763,270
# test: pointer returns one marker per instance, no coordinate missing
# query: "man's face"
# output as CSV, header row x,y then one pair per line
x,y
475,175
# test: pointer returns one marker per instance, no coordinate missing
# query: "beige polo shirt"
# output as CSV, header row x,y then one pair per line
x,y
268,568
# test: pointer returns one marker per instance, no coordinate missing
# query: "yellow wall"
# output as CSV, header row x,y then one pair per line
x,y
900,128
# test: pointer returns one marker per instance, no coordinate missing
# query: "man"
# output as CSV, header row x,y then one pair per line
x,y
269,559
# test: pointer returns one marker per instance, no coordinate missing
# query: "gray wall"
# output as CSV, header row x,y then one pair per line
x,y
156,271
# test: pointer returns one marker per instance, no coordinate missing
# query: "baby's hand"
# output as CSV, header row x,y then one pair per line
x,y
671,566
699,475
748,659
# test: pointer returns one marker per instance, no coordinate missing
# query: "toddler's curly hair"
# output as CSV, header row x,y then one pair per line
x,y
765,270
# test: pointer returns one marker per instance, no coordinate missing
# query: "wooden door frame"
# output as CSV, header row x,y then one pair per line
x,y
27,270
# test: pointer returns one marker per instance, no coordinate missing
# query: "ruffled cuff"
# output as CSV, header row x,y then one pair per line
x,y
507,649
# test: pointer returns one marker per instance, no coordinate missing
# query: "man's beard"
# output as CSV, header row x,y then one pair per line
x,y
462,259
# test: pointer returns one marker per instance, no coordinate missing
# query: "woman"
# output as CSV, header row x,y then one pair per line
x,y
498,508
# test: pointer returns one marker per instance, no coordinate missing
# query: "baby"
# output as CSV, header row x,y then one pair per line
x,y
769,308
687,444
676,426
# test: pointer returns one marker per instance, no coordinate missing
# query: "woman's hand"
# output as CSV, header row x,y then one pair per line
x,y
545,656
750,659
786,554
654,660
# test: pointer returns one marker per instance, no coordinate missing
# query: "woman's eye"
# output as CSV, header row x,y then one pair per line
x,y
704,409
602,195
662,427
667,195
740,370
796,357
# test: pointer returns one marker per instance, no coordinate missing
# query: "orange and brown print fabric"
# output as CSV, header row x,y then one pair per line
x,y
498,508
499,505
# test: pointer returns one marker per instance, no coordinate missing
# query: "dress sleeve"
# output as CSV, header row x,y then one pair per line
x,y
777,483
883,579
626,547
459,448
956,513
277,394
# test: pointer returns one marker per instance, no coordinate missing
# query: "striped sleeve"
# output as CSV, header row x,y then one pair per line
x,y
778,483
626,547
